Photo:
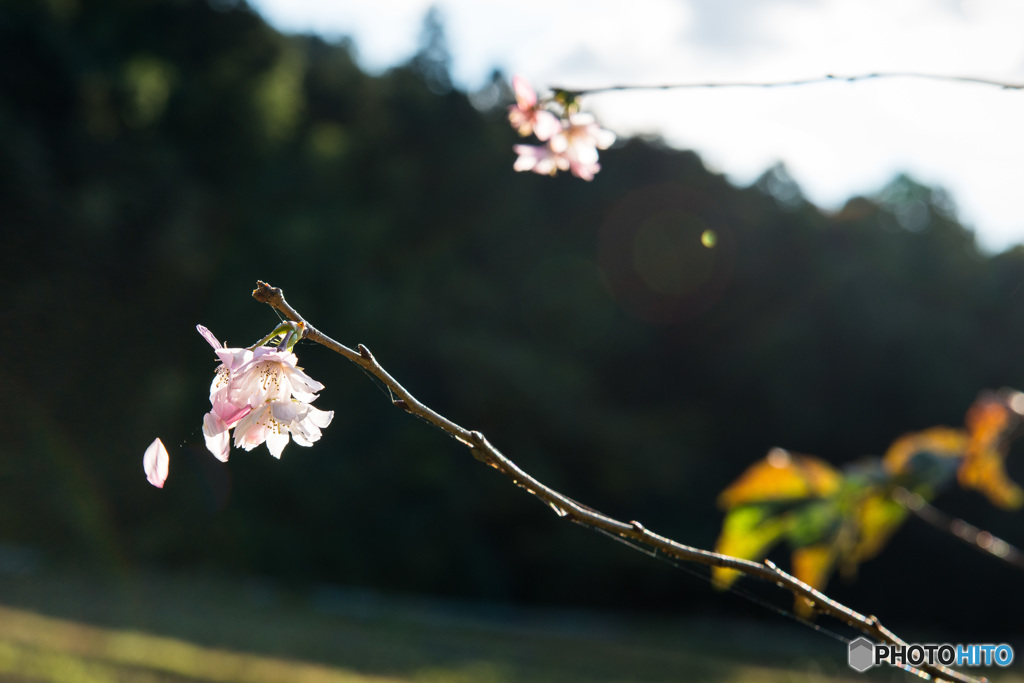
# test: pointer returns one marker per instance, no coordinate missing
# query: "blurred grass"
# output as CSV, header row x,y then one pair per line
x,y
71,628
64,651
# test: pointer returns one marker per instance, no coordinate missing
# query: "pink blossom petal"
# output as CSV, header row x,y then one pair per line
x,y
546,125
537,159
232,359
584,170
230,413
520,120
155,463
251,431
526,98
208,336
218,438
558,144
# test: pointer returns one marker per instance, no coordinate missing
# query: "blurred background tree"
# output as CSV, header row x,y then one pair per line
x,y
157,157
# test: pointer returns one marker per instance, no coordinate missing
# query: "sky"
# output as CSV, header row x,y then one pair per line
x,y
836,139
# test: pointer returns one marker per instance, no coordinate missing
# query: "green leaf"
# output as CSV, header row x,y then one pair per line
x,y
748,532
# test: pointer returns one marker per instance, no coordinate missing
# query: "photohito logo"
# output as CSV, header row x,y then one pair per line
x,y
864,654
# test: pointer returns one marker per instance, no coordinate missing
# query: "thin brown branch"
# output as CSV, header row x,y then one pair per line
x,y
570,509
800,81
978,539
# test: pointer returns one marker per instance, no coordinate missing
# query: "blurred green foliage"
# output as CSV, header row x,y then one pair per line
x,y
157,157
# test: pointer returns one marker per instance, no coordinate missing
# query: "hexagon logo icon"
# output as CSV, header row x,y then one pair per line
x,y
862,654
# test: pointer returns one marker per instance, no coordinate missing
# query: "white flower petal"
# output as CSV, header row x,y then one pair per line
x,y
301,381
301,440
546,125
321,418
218,439
276,441
583,153
286,411
155,463
559,143
605,139
251,431
525,162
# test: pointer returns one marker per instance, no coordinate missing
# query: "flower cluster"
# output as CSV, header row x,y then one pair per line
x,y
259,392
264,396
572,140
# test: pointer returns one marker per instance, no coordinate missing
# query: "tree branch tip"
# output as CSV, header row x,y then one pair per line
x,y
264,293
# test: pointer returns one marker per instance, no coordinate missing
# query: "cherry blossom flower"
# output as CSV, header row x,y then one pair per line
x,y
572,142
228,404
263,395
578,144
539,159
272,374
155,463
527,117
274,421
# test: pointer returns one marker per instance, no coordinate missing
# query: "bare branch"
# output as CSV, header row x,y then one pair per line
x,y
978,539
574,511
800,81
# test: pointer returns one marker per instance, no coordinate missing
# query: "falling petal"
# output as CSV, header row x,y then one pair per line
x,y
155,463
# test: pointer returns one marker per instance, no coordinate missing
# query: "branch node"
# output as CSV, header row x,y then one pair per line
x,y
266,294
365,353
638,526
400,403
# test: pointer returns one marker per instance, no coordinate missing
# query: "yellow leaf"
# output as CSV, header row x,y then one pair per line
x,y
877,518
812,564
989,421
941,441
782,476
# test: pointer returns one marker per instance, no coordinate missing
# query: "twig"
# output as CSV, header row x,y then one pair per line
x,y
568,508
800,81
978,539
